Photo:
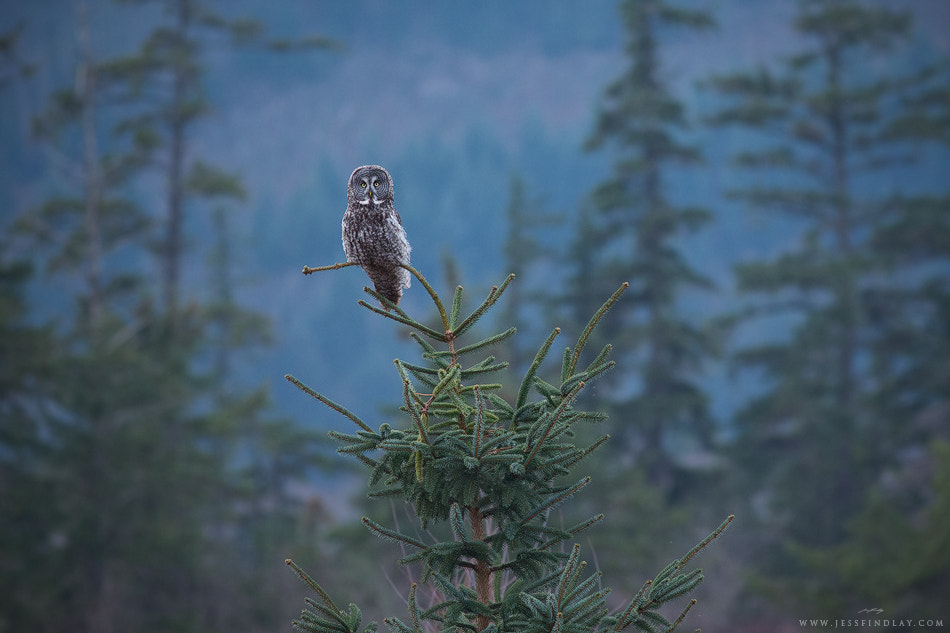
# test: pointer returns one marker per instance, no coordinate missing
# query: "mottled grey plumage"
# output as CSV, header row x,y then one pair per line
x,y
373,236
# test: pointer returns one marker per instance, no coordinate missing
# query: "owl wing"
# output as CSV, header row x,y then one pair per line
x,y
402,249
347,240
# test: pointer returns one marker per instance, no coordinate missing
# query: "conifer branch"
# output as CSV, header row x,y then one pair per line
x,y
582,588
404,374
395,316
553,501
676,586
333,405
491,340
475,370
366,460
455,515
419,369
431,352
493,296
582,340
479,424
565,402
682,615
570,460
313,585
385,302
451,376
435,298
414,610
571,570
706,541
391,535
307,270
456,308
333,620
632,611
532,370
650,621
571,531
416,417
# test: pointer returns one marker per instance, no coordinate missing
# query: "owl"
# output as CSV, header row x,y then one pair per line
x,y
373,236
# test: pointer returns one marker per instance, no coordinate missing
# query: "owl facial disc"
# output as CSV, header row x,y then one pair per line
x,y
370,185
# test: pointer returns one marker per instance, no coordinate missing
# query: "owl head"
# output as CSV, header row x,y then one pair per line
x,y
370,185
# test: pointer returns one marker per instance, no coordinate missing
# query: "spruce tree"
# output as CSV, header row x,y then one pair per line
x,y
12,66
118,451
530,257
856,296
491,472
26,350
83,227
162,476
165,79
630,230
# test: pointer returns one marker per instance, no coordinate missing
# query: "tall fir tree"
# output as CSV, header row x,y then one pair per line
x,y
164,478
121,456
532,258
24,381
12,66
165,78
27,351
856,296
629,230
907,311
78,230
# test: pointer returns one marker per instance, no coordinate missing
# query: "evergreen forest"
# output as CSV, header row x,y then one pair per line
x,y
752,199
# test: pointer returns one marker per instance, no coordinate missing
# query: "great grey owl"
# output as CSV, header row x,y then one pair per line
x,y
373,236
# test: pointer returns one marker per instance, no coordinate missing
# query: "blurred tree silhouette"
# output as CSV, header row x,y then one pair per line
x,y
629,231
631,228
859,296
147,485
532,258
165,82
24,381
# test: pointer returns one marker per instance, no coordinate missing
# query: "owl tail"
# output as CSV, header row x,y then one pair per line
x,y
387,282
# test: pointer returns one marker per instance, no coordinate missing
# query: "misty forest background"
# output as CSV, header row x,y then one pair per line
x,y
771,178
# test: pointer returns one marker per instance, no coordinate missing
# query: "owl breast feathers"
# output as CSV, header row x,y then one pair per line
x,y
373,236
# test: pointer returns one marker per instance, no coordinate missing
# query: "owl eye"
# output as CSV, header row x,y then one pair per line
x,y
363,184
375,183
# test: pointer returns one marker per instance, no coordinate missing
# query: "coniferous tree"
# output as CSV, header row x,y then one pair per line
x,y
908,541
491,471
117,463
166,75
164,478
629,230
12,67
165,79
532,259
856,300
26,351
906,306
78,229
